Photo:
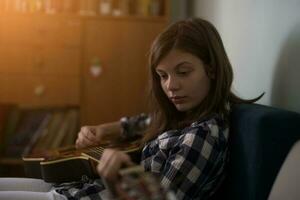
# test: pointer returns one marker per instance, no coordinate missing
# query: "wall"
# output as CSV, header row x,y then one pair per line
x,y
178,9
262,39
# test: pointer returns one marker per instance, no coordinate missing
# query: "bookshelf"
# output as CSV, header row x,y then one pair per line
x,y
62,53
115,8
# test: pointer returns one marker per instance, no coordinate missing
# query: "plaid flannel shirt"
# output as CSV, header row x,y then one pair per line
x,y
190,161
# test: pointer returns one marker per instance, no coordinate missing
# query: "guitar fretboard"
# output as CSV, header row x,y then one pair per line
x,y
94,153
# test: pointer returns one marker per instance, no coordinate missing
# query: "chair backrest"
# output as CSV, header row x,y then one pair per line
x,y
260,138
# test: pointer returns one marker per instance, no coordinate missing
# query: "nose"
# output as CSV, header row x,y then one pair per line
x,y
172,84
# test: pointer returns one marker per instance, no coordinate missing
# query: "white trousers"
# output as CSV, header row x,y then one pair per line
x,y
27,189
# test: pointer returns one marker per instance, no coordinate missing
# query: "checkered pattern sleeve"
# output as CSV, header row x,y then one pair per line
x,y
191,161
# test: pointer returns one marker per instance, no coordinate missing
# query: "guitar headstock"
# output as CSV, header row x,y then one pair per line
x,y
136,184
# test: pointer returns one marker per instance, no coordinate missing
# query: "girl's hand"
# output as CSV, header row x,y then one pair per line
x,y
111,162
93,135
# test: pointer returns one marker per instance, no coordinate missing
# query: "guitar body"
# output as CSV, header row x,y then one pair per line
x,y
71,170
70,164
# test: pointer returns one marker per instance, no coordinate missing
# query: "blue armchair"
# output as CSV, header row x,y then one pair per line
x,y
261,136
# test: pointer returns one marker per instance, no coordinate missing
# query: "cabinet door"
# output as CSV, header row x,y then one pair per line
x,y
49,76
59,61
17,60
41,31
39,90
17,30
121,47
40,60
138,37
59,31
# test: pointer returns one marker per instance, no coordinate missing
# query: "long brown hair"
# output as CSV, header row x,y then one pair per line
x,y
199,38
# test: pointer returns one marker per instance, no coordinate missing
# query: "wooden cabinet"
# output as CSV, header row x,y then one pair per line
x,y
46,60
121,47
40,60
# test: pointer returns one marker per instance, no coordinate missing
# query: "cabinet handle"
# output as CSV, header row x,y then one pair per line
x,y
95,67
95,70
39,90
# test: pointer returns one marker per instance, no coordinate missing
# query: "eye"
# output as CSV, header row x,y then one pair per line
x,y
162,76
183,73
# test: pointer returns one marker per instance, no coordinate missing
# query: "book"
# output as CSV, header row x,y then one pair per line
x,y
10,127
39,129
38,133
67,131
29,123
5,111
49,132
61,132
73,128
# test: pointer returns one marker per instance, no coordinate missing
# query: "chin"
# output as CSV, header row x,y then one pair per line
x,y
183,108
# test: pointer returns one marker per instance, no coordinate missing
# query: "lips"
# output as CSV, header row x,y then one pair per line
x,y
178,99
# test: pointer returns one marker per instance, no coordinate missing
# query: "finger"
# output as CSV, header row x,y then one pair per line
x,y
113,165
104,159
84,142
97,133
120,159
86,135
77,144
116,160
103,164
88,132
87,142
107,163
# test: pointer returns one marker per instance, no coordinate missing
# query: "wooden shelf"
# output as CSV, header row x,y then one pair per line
x,y
11,161
11,167
127,17
98,17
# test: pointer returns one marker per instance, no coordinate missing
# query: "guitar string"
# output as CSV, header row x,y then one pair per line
x,y
96,150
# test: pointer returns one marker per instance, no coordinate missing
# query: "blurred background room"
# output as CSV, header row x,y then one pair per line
x,y
68,63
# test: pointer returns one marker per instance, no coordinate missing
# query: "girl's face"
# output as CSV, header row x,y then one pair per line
x,y
183,79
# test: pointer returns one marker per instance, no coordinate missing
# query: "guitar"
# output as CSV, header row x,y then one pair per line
x,y
71,164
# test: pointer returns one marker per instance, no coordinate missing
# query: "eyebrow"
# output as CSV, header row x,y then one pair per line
x,y
176,67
